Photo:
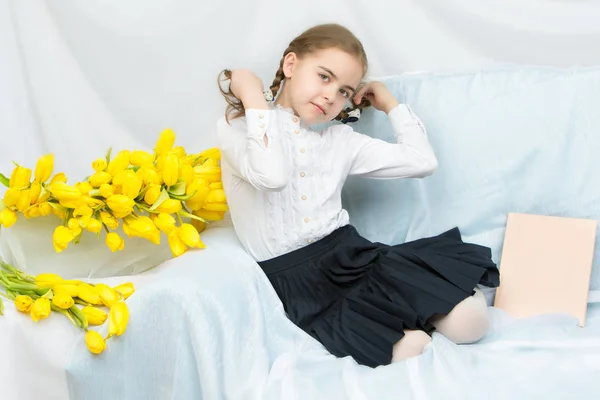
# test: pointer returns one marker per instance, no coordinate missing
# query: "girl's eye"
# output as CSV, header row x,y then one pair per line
x,y
324,77
344,92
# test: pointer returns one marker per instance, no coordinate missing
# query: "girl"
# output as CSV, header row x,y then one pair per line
x,y
283,181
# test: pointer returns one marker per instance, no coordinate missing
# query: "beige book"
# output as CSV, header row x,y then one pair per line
x,y
546,265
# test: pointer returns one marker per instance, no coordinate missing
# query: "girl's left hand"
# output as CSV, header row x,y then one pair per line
x,y
378,94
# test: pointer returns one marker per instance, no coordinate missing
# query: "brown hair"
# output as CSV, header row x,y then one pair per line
x,y
319,37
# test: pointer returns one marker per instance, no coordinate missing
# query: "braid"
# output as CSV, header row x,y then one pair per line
x,y
235,108
344,114
279,77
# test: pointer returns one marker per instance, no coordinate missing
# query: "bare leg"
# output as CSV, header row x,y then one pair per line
x,y
467,322
410,345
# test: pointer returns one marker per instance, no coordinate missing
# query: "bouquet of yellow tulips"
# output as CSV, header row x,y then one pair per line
x,y
168,191
40,295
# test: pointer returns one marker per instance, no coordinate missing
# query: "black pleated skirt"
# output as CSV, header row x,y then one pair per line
x,y
357,297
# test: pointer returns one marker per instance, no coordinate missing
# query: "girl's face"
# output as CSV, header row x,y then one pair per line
x,y
319,85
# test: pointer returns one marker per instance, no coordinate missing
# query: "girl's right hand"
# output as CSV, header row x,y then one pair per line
x,y
246,85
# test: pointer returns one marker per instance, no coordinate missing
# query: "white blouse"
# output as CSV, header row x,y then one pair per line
x,y
287,194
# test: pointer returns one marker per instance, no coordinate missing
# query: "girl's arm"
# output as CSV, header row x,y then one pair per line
x,y
253,147
411,155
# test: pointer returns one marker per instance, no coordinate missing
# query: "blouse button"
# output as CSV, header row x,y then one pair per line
x,y
295,119
306,219
303,197
302,174
261,125
297,131
261,116
302,150
310,240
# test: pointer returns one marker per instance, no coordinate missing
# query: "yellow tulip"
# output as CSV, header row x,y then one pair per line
x,y
140,158
165,142
83,211
62,191
176,244
186,173
216,196
45,209
34,192
118,318
209,215
114,242
120,203
61,238
40,309
94,225
179,151
44,168
132,186
24,201
99,178
209,172
215,207
95,342
170,169
149,176
60,177
32,212
74,226
62,300
99,165
8,217
20,177
89,294
164,222
66,288
211,153
152,194
11,197
119,163
84,187
121,176
142,227
107,294
190,236
109,220
106,190
216,185
125,289
169,206
47,280
94,316
23,303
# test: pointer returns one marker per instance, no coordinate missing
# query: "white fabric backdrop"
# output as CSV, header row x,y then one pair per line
x,y
79,76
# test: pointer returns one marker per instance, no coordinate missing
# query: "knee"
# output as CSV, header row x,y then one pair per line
x,y
411,345
468,322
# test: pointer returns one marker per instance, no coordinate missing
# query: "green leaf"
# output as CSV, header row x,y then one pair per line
x,y
186,214
108,155
4,180
1,307
178,189
183,198
164,196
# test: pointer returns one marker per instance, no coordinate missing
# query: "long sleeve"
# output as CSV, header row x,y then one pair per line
x,y
411,155
264,166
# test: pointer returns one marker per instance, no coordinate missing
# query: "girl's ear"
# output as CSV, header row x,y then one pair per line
x,y
289,62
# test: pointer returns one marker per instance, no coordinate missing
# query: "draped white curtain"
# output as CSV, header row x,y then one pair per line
x,y
79,76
